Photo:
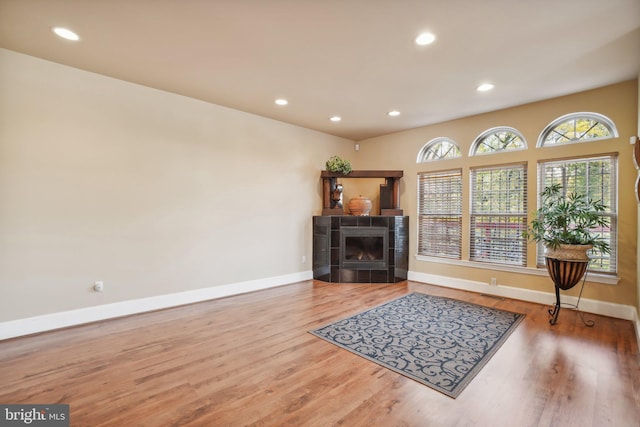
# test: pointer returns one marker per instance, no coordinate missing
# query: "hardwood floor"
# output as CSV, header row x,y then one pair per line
x,y
248,360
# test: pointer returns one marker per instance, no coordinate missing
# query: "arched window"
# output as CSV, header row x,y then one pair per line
x,y
577,127
439,149
498,139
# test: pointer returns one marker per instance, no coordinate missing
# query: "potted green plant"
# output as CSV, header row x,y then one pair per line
x,y
337,164
568,227
569,220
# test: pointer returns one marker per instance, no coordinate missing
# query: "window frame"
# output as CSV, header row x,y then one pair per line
x,y
596,258
473,151
601,118
440,217
510,224
427,148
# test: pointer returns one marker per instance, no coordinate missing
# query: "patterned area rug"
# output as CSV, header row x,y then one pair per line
x,y
440,342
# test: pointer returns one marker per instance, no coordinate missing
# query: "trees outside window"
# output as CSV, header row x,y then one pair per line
x,y
499,215
498,139
577,127
498,194
440,214
439,149
596,178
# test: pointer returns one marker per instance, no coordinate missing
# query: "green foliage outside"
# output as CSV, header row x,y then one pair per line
x,y
576,130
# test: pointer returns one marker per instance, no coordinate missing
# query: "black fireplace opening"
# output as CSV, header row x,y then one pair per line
x,y
364,248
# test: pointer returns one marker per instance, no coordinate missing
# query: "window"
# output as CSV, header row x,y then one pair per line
x,y
439,149
499,214
440,214
595,177
496,140
577,127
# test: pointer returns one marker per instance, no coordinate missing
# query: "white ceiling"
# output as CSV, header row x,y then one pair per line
x,y
353,58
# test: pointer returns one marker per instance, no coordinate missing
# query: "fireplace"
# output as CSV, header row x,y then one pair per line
x,y
364,247
360,249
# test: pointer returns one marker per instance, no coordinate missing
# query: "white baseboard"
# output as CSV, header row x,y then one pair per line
x,y
620,311
48,322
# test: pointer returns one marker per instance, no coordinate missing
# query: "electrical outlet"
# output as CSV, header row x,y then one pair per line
x,y
98,286
494,282
303,259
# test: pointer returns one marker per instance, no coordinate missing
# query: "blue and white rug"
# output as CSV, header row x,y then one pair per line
x,y
440,342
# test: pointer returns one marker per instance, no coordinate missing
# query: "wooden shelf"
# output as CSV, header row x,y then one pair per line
x,y
391,187
363,174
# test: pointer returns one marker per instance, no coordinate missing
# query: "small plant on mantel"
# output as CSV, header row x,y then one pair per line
x,y
568,220
337,164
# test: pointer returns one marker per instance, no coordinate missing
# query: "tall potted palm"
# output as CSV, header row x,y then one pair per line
x,y
568,226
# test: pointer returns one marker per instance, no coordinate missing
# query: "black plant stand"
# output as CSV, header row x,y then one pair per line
x,y
565,275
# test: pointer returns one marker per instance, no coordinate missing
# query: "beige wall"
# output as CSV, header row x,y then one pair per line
x,y
151,192
638,249
155,193
618,102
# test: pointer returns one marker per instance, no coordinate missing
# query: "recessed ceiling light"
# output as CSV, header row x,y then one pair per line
x,y
425,39
484,87
335,118
66,33
281,101
393,113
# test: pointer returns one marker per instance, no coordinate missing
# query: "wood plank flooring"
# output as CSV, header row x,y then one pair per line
x,y
248,360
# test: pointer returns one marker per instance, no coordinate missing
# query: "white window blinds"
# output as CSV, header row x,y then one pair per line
x,y
498,215
597,178
440,214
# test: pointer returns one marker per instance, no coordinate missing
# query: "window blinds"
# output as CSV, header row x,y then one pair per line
x,y
597,178
498,215
440,214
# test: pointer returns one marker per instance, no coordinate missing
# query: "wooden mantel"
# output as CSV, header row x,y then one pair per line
x,y
392,182
363,174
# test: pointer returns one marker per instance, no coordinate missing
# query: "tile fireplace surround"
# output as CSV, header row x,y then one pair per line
x,y
334,260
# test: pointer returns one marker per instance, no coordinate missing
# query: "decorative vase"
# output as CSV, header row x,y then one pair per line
x,y
359,206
